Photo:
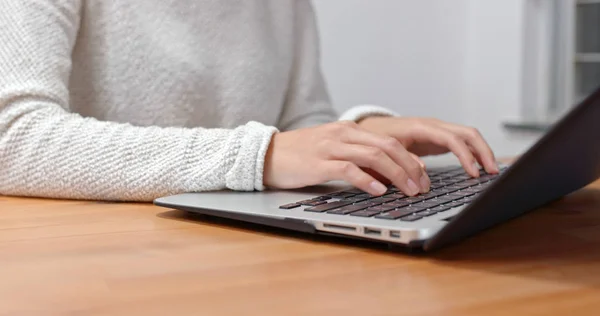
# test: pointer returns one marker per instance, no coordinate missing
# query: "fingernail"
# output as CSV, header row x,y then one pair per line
x,y
496,168
378,187
425,183
412,187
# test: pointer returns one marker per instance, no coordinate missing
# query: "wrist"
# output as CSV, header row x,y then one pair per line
x,y
372,123
268,164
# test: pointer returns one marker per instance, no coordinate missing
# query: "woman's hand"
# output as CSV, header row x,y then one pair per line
x,y
341,151
425,136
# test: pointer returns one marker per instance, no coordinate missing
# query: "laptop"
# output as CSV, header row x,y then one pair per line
x,y
564,160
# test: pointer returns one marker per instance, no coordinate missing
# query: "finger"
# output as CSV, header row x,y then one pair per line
x,y
480,147
378,160
418,160
394,149
448,139
477,157
377,176
351,173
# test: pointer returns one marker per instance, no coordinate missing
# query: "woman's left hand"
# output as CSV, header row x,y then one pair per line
x,y
428,136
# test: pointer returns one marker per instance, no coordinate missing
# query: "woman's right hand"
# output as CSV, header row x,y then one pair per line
x,y
341,151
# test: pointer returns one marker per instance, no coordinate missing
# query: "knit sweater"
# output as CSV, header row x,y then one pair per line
x,y
133,100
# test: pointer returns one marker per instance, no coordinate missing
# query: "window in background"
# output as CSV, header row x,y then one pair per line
x,y
561,58
587,54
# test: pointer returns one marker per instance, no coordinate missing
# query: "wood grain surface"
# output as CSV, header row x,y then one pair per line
x,y
90,258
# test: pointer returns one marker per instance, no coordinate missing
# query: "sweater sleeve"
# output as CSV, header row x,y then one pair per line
x,y
47,151
308,102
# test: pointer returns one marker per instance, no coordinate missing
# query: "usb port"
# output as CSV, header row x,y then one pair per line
x,y
394,234
372,232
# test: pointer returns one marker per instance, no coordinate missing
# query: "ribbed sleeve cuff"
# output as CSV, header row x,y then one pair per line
x,y
246,173
360,112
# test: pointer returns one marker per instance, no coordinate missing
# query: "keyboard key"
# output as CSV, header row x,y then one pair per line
x,y
368,203
455,195
461,185
463,193
441,208
411,218
323,198
312,202
413,199
398,203
449,189
482,181
472,190
289,206
428,203
486,184
426,213
382,208
395,214
457,186
414,208
392,190
366,213
358,198
487,177
444,191
471,182
444,199
454,181
383,199
395,196
439,184
477,188
327,206
344,210
463,178
440,192
429,195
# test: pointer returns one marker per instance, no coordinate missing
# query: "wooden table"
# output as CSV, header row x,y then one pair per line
x,y
88,258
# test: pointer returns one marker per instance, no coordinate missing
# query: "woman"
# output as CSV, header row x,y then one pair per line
x,y
132,100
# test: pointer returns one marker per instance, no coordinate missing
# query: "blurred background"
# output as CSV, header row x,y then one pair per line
x,y
508,67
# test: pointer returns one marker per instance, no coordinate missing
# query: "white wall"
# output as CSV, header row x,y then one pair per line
x,y
405,54
495,72
457,60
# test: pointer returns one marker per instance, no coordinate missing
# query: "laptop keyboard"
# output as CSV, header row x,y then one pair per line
x,y
450,187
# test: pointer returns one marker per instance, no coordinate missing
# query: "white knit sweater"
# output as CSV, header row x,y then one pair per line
x,y
132,100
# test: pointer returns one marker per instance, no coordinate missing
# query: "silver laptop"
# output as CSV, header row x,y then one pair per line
x,y
565,159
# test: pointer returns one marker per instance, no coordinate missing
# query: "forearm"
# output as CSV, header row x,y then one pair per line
x,y
48,152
